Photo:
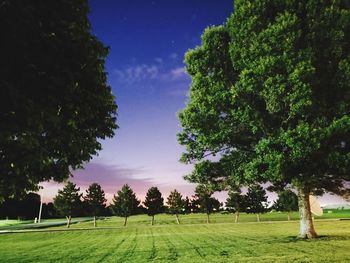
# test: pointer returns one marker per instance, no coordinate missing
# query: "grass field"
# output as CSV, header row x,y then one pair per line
x,y
188,242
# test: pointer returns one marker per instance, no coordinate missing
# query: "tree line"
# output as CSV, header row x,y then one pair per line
x,y
70,202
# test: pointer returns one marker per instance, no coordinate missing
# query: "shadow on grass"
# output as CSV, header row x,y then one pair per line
x,y
295,239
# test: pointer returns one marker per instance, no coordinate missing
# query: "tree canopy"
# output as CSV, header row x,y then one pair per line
x,y
55,103
270,96
125,203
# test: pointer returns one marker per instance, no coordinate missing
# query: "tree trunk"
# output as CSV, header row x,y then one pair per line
x,y
95,221
152,221
125,220
237,216
208,220
69,218
307,229
288,216
258,217
177,219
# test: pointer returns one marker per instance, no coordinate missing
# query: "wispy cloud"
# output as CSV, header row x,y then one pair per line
x,y
137,73
165,74
174,56
179,73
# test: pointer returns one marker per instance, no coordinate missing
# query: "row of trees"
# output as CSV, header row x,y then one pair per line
x,y
70,202
255,201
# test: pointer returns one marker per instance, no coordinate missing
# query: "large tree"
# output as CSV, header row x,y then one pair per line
x,y
55,103
68,201
176,204
236,202
270,95
125,203
95,200
287,201
154,202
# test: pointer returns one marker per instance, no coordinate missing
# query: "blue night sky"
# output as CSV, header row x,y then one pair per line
x,y
147,40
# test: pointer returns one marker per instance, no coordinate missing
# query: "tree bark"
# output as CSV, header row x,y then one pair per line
x,y
258,217
125,220
177,219
307,229
95,221
208,219
237,216
69,218
152,221
288,216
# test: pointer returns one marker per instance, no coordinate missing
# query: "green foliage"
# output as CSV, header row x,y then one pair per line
x,y
95,199
270,96
256,199
125,202
68,200
55,103
236,202
154,201
287,201
175,202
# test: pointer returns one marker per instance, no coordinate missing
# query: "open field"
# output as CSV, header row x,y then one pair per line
x,y
162,219
167,242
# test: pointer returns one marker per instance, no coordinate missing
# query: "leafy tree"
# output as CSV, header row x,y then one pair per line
x,y
256,200
153,202
175,204
236,202
270,97
287,202
68,201
125,203
95,200
207,203
55,104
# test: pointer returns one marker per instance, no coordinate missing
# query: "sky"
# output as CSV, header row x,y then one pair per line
x,y
147,41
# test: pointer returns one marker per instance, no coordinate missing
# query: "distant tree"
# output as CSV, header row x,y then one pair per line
x,y
236,202
153,202
287,202
25,207
175,204
206,202
55,103
187,205
256,200
125,203
95,200
49,210
68,201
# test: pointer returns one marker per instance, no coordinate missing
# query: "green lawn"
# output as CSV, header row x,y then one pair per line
x,y
167,242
